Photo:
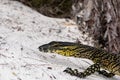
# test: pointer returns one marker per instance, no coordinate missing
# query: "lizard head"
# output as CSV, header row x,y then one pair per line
x,y
63,48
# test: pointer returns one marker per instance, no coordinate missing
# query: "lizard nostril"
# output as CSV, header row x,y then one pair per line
x,y
40,48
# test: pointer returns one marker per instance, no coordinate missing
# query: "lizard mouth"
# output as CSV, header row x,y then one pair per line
x,y
43,49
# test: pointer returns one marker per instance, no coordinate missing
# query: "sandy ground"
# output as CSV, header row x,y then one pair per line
x,y
22,31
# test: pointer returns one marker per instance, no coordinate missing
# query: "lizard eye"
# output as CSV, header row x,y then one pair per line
x,y
54,44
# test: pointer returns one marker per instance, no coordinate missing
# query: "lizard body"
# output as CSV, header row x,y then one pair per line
x,y
101,58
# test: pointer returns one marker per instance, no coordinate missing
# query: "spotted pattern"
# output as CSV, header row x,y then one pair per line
x,y
91,69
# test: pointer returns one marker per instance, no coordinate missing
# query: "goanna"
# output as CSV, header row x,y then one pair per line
x,y
101,58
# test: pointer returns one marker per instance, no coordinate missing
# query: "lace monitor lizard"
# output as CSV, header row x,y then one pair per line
x,y
101,58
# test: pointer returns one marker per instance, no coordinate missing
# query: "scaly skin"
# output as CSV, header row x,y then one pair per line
x,y
101,58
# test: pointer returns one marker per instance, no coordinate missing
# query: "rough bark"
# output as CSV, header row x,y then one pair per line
x,y
101,18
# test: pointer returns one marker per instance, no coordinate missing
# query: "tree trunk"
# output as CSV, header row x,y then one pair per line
x,y
101,18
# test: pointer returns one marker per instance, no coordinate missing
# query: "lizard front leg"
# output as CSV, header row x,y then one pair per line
x,y
90,70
